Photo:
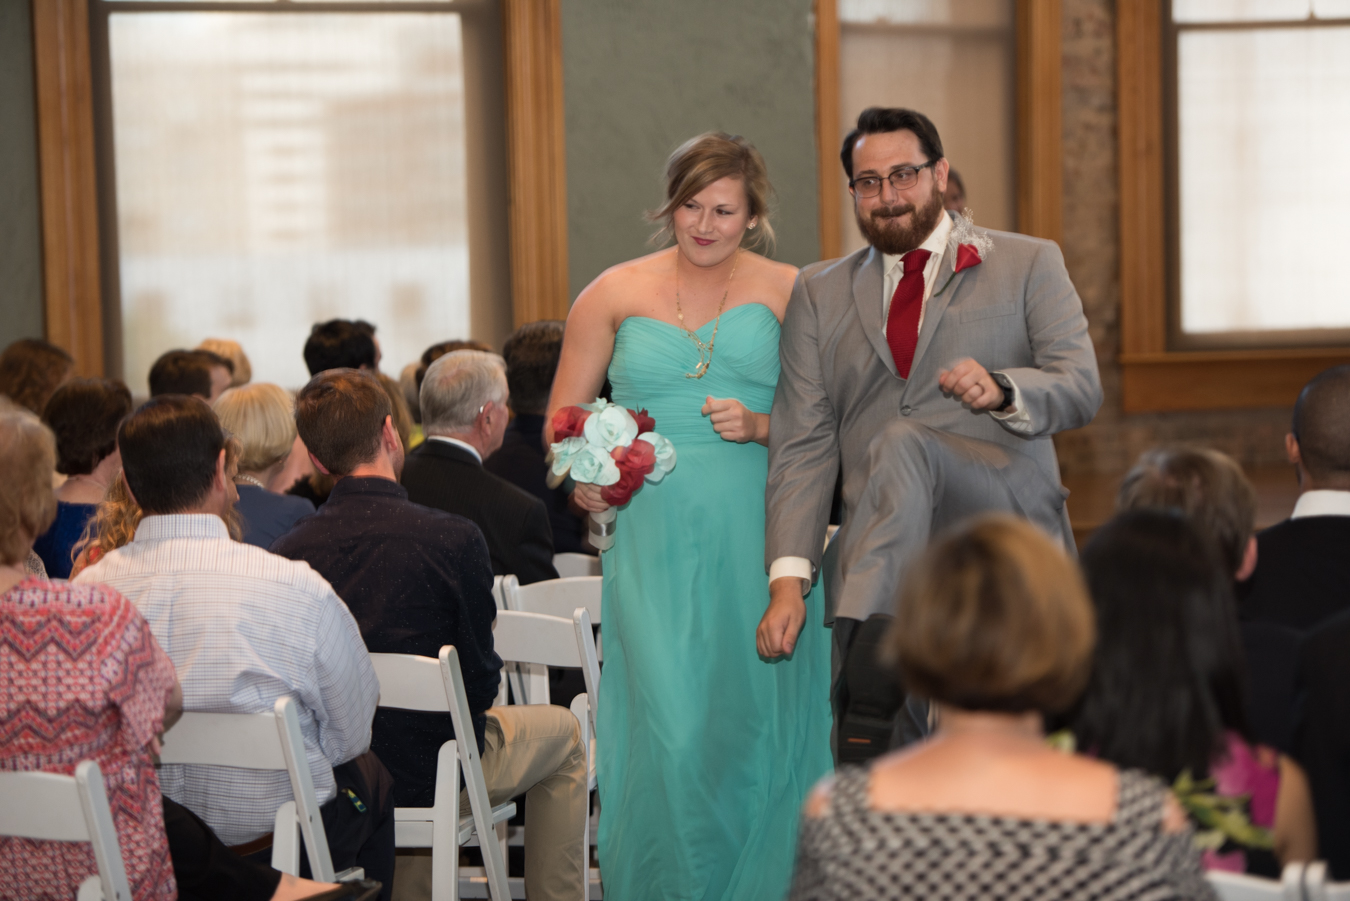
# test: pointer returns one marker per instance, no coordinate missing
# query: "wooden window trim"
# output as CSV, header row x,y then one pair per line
x,y
1155,377
73,295
1040,141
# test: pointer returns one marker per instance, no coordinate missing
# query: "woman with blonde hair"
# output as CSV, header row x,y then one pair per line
x,y
262,417
995,627
705,750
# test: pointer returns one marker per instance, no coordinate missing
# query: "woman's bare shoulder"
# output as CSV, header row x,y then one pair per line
x,y
773,281
622,282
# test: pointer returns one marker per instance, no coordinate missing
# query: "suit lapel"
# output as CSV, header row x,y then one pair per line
x,y
948,280
867,287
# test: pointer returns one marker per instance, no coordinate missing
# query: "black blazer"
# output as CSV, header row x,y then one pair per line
x,y
1322,737
1302,573
514,522
520,460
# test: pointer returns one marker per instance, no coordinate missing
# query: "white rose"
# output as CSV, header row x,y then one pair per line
x,y
592,464
560,455
611,427
665,455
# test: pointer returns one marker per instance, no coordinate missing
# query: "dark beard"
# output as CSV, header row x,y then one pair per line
x,y
886,234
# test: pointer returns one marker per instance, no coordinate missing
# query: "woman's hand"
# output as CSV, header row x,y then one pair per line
x,y
587,497
735,422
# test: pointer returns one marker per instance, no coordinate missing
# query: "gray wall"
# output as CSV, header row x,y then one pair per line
x,y
641,76
21,314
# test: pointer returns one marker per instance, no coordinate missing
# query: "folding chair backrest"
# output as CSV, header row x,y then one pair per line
x,y
257,741
1241,887
556,597
51,807
536,638
1317,887
411,682
498,590
569,564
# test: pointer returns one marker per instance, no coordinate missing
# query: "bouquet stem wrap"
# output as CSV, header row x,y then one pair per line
x,y
602,528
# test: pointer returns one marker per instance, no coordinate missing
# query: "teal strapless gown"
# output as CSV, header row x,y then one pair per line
x,y
705,751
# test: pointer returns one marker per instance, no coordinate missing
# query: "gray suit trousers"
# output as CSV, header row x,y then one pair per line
x,y
918,482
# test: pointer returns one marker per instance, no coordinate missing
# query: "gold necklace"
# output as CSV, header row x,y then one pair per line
x,y
704,350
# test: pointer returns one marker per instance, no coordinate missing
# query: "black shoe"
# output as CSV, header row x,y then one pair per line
x,y
362,890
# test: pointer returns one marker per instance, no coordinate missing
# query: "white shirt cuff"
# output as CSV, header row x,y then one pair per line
x,y
1017,418
785,567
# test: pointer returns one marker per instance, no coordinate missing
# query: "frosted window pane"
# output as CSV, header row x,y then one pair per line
x,y
1239,10
962,13
279,169
961,78
1265,191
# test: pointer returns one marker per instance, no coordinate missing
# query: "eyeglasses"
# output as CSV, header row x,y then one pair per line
x,y
901,179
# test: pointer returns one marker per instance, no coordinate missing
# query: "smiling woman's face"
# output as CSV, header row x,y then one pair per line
x,y
709,226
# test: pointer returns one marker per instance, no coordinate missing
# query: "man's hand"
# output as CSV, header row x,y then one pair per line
x,y
587,497
783,621
972,385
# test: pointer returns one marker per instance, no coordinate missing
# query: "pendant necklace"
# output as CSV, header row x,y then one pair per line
x,y
704,350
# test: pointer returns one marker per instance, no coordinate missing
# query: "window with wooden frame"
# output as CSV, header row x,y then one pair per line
x,y
1030,169
200,157
1232,117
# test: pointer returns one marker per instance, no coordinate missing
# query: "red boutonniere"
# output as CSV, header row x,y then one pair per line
x,y
966,256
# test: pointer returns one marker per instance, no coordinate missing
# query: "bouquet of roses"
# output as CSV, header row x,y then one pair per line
x,y
610,446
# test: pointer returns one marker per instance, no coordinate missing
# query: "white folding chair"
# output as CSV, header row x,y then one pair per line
x,y
517,677
1241,887
1317,887
410,682
569,565
264,741
542,640
55,808
553,597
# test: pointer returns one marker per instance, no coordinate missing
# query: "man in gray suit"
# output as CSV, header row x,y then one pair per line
x,y
932,369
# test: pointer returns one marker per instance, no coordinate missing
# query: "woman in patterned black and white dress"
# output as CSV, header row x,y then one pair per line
x,y
996,627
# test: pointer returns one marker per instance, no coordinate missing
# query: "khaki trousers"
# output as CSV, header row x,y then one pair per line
x,y
534,750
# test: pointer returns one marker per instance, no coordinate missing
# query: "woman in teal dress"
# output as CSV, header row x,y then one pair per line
x,y
705,750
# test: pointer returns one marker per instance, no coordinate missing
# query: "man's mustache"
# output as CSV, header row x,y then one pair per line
x,y
892,212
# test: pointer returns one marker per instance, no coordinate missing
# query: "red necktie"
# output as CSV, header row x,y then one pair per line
x,y
902,323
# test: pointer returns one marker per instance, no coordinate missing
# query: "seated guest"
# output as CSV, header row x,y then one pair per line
x,y
31,370
112,698
245,627
1210,490
197,373
403,421
1302,574
407,383
531,355
417,579
1322,736
105,697
464,416
241,371
84,415
342,344
1166,693
994,625
261,417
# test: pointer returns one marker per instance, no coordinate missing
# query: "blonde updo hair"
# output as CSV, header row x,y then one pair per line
x,y
27,502
230,350
699,162
262,417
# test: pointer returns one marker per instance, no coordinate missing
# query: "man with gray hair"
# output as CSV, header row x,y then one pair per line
x,y
464,416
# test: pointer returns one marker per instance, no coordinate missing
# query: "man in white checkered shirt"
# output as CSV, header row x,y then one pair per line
x,y
245,627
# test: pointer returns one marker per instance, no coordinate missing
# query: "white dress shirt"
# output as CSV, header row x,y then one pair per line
x,y
243,628
457,443
893,269
1322,502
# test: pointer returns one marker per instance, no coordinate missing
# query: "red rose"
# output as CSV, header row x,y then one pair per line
x,y
639,457
568,422
644,421
621,492
966,256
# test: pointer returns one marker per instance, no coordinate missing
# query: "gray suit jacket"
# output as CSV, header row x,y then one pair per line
x,y
1015,312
